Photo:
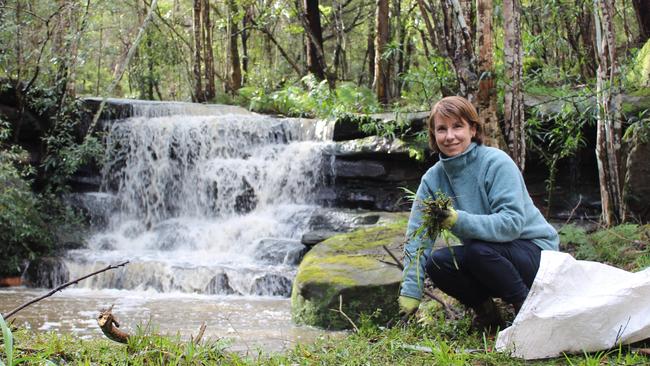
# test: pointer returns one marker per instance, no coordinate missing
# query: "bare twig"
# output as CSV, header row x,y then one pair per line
x,y
451,314
340,310
61,287
574,210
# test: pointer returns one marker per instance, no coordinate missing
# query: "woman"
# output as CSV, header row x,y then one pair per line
x,y
501,230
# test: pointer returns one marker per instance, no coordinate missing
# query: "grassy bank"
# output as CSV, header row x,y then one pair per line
x,y
431,340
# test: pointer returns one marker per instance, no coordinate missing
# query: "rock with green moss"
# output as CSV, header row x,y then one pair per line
x,y
349,275
636,191
639,75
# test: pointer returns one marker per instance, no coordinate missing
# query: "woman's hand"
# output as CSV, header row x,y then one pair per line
x,y
408,306
445,216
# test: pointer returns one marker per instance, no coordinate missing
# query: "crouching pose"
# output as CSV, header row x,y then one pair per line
x,y
501,230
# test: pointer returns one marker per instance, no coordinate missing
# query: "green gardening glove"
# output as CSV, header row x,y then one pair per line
x,y
446,216
408,306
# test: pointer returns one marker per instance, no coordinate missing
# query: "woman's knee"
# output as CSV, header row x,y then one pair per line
x,y
477,252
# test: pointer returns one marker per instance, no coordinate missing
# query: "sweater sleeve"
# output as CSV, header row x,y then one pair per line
x,y
506,192
417,248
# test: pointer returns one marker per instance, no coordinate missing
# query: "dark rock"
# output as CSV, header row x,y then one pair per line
x,y
279,251
366,219
271,285
312,238
247,201
46,272
360,168
219,285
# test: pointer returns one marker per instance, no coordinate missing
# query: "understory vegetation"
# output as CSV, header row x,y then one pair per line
x,y
429,339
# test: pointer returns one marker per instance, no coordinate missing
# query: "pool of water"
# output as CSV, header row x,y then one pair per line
x,y
248,324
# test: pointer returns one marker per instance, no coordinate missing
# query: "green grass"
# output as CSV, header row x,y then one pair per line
x,y
431,341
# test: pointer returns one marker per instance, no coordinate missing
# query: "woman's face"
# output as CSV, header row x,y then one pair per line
x,y
453,135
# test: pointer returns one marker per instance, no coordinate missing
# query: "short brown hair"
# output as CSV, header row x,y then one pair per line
x,y
457,107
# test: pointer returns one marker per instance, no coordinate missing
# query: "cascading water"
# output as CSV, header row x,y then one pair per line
x,y
212,204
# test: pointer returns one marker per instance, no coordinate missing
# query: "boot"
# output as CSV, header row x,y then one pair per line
x,y
487,317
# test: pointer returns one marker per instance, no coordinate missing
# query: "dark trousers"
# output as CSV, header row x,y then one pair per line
x,y
479,270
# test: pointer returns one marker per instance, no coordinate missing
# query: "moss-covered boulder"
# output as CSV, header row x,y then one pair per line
x,y
639,75
349,272
636,190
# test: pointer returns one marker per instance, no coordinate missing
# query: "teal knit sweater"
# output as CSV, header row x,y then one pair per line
x,y
493,204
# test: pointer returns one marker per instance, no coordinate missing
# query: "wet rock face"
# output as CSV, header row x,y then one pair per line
x,y
219,285
279,251
46,272
271,285
636,189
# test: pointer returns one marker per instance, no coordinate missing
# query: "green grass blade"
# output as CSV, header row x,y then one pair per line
x,y
8,341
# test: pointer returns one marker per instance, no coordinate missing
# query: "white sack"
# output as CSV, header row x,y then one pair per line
x,y
575,306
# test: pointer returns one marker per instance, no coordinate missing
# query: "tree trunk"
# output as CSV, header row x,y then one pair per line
x,y
460,47
198,95
234,77
244,42
513,108
382,68
371,53
486,100
608,134
642,10
208,55
315,57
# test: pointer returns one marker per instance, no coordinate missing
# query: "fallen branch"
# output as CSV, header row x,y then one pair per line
x,y
109,326
61,287
451,314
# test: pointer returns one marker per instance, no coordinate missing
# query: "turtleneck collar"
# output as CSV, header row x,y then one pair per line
x,y
458,162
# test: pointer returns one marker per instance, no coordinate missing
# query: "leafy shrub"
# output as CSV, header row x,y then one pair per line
x,y
23,232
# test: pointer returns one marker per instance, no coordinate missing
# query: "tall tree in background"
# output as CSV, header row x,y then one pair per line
x,y
234,76
198,95
513,109
642,11
486,100
460,45
315,54
208,55
608,134
382,69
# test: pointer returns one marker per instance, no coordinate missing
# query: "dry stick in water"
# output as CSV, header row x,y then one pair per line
x,y
451,314
61,287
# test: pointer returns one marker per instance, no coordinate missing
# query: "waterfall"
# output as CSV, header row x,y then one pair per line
x,y
208,201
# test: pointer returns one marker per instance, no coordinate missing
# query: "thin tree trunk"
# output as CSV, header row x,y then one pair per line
x,y
642,11
210,90
371,53
513,108
382,68
608,124
198,95
234,77
487,94
244,43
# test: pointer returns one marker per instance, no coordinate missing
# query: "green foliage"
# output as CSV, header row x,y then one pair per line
x,y
425,83
556,135
8,340
314,99
625,246
23,229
